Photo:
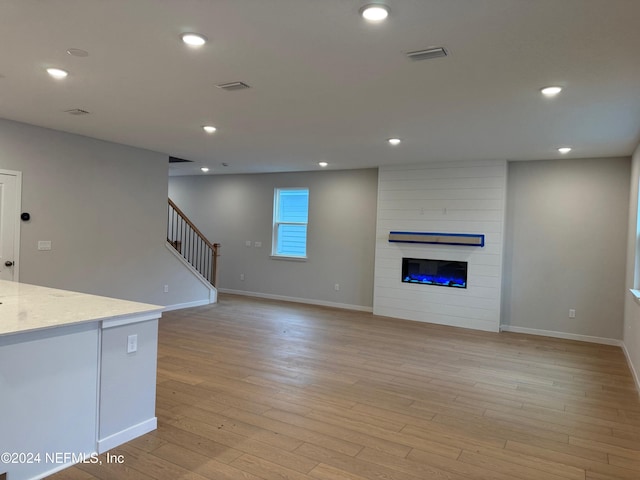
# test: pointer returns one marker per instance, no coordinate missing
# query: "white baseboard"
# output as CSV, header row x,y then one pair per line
x,y
634,373
180,306
308,301
564,335
127,435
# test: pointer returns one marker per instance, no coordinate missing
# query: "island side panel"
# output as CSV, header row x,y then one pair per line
x,y
127,383
48,384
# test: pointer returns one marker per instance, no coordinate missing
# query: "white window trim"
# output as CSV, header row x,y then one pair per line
x,y
274,228
288,257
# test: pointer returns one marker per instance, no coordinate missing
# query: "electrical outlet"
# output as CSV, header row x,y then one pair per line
x,y
572,313
242,277
132,343
257,244
336,287
247,243
166,289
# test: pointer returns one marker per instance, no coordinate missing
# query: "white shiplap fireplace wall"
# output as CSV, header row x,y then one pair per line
x,y
447,197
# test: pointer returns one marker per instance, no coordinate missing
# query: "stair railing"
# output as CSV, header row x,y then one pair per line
x,y
189,242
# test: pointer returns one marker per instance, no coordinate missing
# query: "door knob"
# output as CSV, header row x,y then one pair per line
x,y
8,263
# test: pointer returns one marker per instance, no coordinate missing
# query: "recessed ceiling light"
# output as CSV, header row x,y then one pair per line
x,y
564,150
323,164
209,128
374,12
194,39
394,141
57,72
551,91
204,169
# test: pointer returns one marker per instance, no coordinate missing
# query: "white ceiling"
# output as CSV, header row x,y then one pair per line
x,y
326,85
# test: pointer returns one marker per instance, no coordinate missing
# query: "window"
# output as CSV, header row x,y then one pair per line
x,y
290,218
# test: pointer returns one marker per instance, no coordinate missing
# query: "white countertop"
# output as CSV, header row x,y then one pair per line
x,y
25,308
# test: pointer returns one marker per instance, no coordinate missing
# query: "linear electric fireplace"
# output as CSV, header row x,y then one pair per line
x,y
444,273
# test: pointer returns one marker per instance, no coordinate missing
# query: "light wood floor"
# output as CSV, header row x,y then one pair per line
x,y
254,389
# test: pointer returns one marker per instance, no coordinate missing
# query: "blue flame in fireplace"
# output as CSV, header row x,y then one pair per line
x,y
426,271
436,280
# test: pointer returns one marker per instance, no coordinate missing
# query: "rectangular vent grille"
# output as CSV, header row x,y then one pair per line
x,y
76,111
231,86
427,54
179,160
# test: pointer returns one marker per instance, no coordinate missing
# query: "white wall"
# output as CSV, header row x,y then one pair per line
x,y
565,247
233,209
447,197
103,206
48,385
631,331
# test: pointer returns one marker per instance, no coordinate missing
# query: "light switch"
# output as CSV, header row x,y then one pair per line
x,y
257,244
44,244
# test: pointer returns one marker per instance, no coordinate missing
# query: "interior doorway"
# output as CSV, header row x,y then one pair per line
x,y
10,201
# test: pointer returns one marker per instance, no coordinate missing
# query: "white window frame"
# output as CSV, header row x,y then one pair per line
x,y
274,240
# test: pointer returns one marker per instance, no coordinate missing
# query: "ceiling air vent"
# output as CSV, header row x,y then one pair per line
x,y
427,54
76,111
231,86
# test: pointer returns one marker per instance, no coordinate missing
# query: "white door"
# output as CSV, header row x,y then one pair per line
x,y
9,226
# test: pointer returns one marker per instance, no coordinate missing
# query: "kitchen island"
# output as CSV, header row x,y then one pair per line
x,y
77,376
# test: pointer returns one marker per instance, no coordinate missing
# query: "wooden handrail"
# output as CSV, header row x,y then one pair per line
x,y
191,244
190,223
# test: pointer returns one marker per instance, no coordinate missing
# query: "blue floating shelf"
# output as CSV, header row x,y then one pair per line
x,y
466,239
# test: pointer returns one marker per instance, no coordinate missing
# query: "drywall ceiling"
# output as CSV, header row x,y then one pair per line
x,y
325,84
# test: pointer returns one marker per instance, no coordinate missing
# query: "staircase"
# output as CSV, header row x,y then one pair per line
x,y
192,245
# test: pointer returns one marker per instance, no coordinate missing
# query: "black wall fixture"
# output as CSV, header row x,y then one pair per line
x,y
25,216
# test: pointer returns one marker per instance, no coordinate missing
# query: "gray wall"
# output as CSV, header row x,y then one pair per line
x,y
632,305
103,206
234,209
565,245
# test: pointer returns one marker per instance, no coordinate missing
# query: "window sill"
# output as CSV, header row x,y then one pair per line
x,y
284,257
636,295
